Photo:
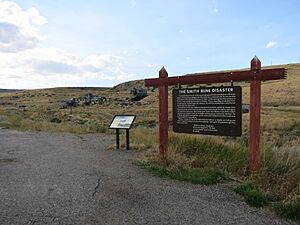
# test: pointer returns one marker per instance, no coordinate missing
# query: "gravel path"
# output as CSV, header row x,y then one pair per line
x,y
50,178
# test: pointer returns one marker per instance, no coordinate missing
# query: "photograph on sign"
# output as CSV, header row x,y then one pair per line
x,y
209,110
122,122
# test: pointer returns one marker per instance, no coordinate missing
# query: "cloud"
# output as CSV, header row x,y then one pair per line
x,y
24,64
271,44
19,28
12,39
52,67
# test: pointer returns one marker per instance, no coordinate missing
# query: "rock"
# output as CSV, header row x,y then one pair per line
x,y
55,120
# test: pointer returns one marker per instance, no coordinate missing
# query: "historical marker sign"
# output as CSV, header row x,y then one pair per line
x,y
211,111
255,75
122,122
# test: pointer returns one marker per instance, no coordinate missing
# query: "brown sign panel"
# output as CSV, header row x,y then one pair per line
x,y
209,110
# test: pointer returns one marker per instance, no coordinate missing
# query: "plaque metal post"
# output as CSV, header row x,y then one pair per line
x,y
117,139
122,122
127,139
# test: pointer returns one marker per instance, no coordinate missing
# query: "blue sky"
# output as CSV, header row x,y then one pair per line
x,y
103,43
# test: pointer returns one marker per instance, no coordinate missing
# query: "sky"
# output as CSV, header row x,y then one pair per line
x,y
102,43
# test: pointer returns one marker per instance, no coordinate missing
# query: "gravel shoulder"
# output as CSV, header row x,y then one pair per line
x,y
54,178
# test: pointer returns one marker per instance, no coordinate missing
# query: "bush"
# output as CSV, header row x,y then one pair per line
x,y
287,209
55,120
251,193
195,176
208,152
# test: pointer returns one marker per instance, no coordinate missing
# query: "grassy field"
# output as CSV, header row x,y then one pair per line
x,y
40,109
198,159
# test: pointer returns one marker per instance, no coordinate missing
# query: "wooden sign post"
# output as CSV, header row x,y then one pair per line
x,y
255,75
255,96
163,114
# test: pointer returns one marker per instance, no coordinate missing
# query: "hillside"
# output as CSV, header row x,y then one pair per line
x,y
280,101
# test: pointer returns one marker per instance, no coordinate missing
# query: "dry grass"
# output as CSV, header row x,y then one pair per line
x,y
277,181
44,104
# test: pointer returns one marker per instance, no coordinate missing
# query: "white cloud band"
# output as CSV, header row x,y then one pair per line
x,y
25,65
48,67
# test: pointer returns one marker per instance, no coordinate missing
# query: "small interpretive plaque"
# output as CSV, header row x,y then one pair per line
x,y
122,122
209,110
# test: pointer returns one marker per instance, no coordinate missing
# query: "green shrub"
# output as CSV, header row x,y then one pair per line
x,y
195,176
287,209
251,193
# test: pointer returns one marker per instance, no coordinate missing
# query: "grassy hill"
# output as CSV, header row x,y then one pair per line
x,y
280,99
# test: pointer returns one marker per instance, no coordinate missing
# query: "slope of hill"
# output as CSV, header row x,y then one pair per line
x,y
280,100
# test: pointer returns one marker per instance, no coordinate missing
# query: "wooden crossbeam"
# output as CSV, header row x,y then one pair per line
x,y
221,77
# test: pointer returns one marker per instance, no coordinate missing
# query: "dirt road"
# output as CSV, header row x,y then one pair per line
x,y
50,178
